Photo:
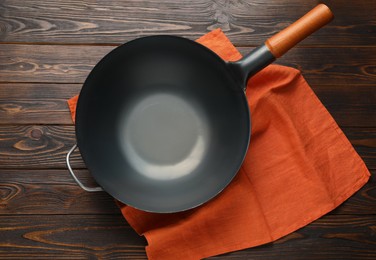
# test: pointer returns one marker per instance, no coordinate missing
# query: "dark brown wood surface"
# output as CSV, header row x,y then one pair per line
x,y
47,48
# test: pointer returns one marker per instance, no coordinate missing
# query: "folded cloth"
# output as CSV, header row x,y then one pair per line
x,y
299,166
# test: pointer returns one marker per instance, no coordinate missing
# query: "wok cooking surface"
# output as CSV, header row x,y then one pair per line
x,y
164,137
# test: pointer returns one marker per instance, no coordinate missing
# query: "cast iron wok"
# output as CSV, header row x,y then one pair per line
x,y
163,123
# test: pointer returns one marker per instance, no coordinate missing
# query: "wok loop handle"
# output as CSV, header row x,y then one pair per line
x,y
89,189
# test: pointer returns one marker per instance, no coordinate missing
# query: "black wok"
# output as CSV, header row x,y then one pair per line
x,y
162,122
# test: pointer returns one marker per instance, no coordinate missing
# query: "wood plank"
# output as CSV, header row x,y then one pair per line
x,y
69,237
37,146
362,202
48,63
329,238
72,64
44,192
45,146
51,192
109,237
36,103
33,103
350,106
246,22
364,142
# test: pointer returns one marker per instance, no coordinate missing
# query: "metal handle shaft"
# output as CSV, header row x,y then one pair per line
x,y
89,189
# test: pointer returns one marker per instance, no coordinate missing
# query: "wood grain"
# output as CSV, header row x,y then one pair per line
x,y
46,192
364,142
36,103
350,105
109,237
33,103
37,147
362,202
73,237
72,64
246,22
51,192
48,63
330,238
45,146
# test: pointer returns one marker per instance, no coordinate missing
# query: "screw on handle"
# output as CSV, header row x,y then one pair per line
x,y
89,189
283,41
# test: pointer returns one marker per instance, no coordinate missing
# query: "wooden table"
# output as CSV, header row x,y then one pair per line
x,y
47,49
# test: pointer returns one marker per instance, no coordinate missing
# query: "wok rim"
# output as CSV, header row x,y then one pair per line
x,y
205,199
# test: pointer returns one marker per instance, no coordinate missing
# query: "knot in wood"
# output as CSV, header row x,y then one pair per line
x,y
36,134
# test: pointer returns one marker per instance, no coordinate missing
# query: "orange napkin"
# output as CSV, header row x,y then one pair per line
x,y
299,166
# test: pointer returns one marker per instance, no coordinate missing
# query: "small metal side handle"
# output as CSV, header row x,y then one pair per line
x,y
89,189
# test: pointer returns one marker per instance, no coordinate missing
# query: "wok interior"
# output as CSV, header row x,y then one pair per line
x,y
161,124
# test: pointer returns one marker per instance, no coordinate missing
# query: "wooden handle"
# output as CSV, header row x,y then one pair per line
x,y
283,41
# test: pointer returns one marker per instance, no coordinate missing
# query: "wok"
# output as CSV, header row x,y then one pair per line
x,y
162,122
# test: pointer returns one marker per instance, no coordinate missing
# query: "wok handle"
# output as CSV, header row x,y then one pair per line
x,y
280,43
283,41
89,189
